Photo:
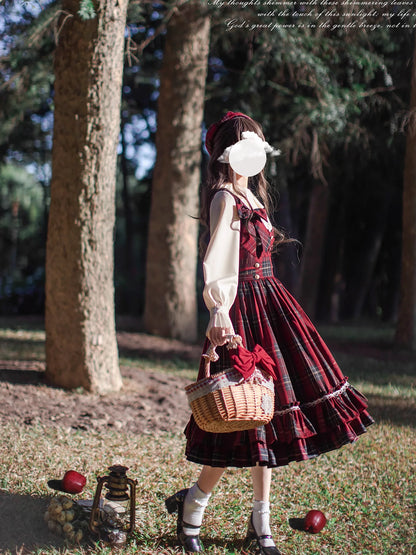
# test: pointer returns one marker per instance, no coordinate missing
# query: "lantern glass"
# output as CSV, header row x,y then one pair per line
x,y
113,515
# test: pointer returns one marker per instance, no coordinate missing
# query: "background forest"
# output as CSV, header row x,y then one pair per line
x,y
104,106
334,103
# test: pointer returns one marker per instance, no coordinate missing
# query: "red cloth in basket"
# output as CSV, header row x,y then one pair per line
x,y
245,361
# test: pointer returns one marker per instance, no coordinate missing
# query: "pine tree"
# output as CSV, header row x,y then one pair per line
x,y
406,325
171,309
81,348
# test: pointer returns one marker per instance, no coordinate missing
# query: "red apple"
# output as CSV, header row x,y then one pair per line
x,y
314,521
73,482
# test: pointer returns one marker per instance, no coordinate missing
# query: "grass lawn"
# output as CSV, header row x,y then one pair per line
x,y
366,490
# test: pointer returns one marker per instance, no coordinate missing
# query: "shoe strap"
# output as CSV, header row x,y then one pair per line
x,y
266,537
194,526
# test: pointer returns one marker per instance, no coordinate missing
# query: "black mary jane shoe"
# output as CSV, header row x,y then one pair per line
x,y
191,544
253,538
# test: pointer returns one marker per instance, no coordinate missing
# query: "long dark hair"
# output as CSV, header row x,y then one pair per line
x,y
228,133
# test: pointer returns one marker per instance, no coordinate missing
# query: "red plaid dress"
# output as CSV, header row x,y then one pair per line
x,y
316,409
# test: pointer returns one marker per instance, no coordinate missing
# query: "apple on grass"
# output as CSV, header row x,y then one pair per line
x,y
72,482
314,521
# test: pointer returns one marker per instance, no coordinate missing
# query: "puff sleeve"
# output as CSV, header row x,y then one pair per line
x,y
221,261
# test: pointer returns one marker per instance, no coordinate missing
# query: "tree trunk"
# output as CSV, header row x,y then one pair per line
x,y
406,325
332,281
171,308
286,260
314,248
366,259
81,348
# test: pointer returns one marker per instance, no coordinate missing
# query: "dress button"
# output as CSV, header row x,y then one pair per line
x,y
256,276
257,265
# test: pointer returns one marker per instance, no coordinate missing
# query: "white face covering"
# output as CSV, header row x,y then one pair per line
x,y
248,156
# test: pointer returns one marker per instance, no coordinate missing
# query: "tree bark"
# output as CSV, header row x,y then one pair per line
x,y
314,248
367,258
406,324
286,259
81,348
171,308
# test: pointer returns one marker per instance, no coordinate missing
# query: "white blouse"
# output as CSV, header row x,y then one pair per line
x,y
221,261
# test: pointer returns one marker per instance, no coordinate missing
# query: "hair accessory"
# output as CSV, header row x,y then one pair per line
x,y
248,156
248,135
214,127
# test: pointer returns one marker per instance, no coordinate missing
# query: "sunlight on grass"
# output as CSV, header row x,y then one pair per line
x,y
182,368
388,390
22,344
379,372
357,333
366,490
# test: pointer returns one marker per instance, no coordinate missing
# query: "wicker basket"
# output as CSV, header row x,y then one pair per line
x,y
225,402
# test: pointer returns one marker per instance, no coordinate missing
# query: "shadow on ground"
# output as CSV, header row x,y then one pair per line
x,y
28,377
22,527
394,410
134,345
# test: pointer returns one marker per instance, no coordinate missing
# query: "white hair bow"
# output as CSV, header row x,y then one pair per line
x,y
249,136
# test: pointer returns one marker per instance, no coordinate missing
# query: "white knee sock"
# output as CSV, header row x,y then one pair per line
x,y
193,509
261,521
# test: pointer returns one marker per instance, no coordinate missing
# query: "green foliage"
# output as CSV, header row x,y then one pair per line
x,y
22,237
18,185
333,102
26,82
86,9
312,84
21,205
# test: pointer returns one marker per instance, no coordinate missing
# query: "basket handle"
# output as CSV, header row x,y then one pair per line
x,y
233,340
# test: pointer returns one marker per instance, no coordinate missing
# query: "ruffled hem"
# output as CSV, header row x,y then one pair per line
x,y
321,416
281,454
296,433
288,425
316,409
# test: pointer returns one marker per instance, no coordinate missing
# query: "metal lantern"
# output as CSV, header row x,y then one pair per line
x,y
114,516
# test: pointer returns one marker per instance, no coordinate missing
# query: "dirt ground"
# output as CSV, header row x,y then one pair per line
x,y
149,400
138,408
146,395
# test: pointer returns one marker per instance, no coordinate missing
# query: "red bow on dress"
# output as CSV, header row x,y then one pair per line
x,y
246,361
251,215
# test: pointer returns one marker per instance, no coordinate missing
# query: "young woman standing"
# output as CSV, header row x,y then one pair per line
x,y
316,409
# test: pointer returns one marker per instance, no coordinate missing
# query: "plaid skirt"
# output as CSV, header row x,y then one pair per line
x,y
316,408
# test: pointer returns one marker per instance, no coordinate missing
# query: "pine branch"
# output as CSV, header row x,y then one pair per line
x,y
86,10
